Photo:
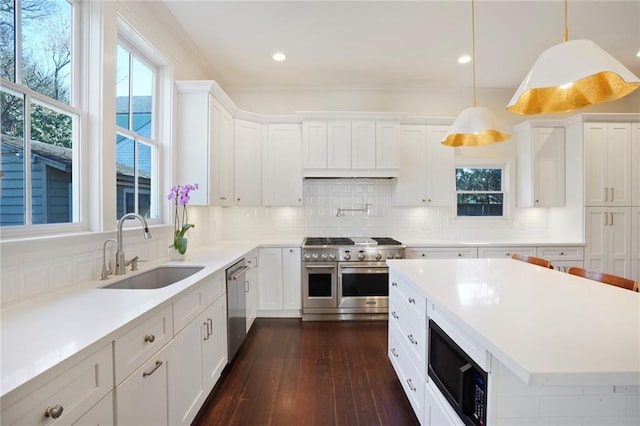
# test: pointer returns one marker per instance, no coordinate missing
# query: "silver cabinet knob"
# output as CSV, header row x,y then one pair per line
x,y
54,412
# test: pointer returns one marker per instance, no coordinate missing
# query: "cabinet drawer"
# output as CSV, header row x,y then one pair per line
x,y
213,287
497,252
564,265
561,253
442,253
407,297
146,338
410,377
412,332
75,390
186,308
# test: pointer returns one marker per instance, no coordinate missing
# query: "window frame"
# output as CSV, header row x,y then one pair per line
x,y
504,189
73,110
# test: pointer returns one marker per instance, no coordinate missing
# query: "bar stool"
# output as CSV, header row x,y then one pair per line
x,y
533,260
614,280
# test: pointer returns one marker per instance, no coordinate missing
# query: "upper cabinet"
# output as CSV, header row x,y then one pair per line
x,y
426,167
204,144
247,163
607,164
350,148
540,165
635,164
282,171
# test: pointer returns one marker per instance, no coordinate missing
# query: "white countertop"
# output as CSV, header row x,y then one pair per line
x,y
501,243
41,333
548,327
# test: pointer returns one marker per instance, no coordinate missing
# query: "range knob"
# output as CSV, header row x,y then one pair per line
x,y
314,256
307,256
398,256
390,256
347,256
332,256
378,256
324,256
361,256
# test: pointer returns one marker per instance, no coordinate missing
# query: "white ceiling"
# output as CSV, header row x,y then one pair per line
x,y
395,44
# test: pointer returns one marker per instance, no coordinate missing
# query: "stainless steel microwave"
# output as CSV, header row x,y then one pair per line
x,y
459,378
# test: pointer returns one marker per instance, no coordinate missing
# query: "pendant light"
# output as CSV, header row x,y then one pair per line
x,y
572,75
475,126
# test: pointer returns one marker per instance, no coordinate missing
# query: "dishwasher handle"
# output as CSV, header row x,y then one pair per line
x,y
235,275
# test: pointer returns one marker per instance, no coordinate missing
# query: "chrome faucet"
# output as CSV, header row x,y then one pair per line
x,y
121,264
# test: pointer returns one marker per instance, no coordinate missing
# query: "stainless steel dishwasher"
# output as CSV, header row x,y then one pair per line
x,y
236,306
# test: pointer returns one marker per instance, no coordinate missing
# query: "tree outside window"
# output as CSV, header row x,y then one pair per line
x,y
479,192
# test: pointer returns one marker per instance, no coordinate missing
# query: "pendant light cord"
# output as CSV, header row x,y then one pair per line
x,y
473,47
566,25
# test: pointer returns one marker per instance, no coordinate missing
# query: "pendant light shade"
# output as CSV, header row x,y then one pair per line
x,y
475,126
572,75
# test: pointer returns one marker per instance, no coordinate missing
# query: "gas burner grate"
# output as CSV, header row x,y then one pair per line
x,y
385,241
327,241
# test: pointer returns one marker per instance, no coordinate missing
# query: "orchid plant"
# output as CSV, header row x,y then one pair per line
x,y
180,195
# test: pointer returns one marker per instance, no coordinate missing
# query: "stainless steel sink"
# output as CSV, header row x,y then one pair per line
x,y
156,278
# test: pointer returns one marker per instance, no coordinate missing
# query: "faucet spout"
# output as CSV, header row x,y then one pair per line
x,y
120,261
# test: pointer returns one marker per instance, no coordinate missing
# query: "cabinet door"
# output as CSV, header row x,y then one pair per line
x,y
410,186
247,163
187,378
283,166
387,145
314,144
253,283
548,167
214,343
270,294
440,169
363,144
595,164
635,165
504,252
619,241
635,241
595,251
442,253
292,278
222,167
100,414
619,164
339,144
143,398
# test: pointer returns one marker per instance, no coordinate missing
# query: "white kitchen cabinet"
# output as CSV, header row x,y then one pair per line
x,y
635,244
437,410
100,414
282,172
540,166
205,144
562,258
252,283
635,164
426,167
387,151
338,144
442,253
247,163
363,144
143,398
65,393
608,240
280,281
607,167
314,144
503,251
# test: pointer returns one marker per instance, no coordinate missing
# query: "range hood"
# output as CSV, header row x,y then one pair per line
x,y
350,173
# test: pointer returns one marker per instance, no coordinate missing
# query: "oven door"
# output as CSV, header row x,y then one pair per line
x,y
363,285
319,285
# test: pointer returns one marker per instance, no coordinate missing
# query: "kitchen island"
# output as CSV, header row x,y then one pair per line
x,y
557,348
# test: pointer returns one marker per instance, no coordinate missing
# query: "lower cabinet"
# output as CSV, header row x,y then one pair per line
x,y
100,414
608,240
442,253
252,283
143,397
280,292
200,355
497,252
635,242
437,411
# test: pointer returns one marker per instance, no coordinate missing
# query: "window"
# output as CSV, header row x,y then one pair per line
x,y
480,191
40,120
136,146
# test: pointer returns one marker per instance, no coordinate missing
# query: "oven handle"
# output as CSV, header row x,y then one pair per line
x,y
318,267
386,268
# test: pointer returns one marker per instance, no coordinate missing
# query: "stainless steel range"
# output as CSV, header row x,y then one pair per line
x,y
347,278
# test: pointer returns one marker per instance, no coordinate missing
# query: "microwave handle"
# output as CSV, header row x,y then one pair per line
x,y
463,372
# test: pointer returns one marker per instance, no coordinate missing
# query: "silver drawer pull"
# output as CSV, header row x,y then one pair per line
x,y
410,383
394,353
412,300
206,327
54,412
394,284
149,338
153,370
393,314
412,340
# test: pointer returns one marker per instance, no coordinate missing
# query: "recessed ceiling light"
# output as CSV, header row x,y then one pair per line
x,y
464,59
279,56
638,54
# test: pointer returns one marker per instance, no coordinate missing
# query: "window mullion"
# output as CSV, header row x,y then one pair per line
x,y
28,205
130,118
135,175
17,34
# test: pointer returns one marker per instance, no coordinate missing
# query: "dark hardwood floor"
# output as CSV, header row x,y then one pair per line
x,y
290,372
